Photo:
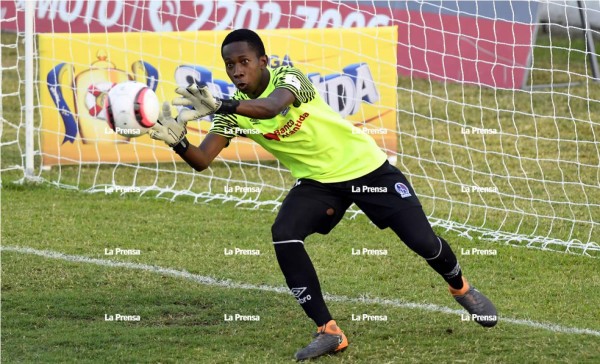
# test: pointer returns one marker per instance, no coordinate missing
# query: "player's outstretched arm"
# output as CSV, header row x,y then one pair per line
x,y
173,132
268,107
204,103
201,157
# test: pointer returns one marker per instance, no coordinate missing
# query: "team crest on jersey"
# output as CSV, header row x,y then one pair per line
x,y
402,190
285,111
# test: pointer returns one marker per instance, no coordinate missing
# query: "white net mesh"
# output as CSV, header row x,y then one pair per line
x,y
497,107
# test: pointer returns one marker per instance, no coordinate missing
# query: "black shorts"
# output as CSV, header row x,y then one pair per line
x,y
313,206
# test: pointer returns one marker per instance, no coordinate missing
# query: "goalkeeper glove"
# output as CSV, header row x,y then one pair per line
x,y
203,102
170,131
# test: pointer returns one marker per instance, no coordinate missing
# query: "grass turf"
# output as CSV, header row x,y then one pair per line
x,y
54,310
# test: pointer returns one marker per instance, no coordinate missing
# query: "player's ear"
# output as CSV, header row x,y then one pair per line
x,y
263,60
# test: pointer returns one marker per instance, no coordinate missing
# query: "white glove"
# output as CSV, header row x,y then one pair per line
x,y
186,115
200,98
167,129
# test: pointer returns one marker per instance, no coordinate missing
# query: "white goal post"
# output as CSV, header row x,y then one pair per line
x,y
496,104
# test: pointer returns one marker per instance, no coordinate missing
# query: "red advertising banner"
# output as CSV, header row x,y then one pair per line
x,y
83,16
483,43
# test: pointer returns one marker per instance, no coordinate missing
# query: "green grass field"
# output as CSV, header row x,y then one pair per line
x,y
53,308
59,285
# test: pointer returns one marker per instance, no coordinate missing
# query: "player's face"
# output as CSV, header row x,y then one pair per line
x,y
245,68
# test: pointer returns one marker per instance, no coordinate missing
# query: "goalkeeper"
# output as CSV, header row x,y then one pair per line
x,y
283,112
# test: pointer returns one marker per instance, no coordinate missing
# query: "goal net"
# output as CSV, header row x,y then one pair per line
x,y
495,106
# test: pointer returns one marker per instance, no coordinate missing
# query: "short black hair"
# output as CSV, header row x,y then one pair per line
x,y
245,35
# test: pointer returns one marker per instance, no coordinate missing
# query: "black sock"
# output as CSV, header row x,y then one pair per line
x,y
446,264
302,280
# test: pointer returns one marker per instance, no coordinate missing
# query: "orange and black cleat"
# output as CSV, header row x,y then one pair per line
x,y
480,308
329,339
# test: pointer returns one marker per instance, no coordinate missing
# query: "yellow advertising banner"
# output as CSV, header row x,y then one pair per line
x,y
77,70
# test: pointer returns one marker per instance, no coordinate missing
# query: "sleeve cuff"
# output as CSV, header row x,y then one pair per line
x,y
181,147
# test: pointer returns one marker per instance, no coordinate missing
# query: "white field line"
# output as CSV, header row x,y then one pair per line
x,y
210,281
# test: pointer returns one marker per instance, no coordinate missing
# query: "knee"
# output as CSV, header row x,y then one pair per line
x,y
428,246
281,231
432,247
277,232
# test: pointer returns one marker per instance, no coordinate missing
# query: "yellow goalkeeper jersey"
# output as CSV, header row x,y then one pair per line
x,y
309,138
